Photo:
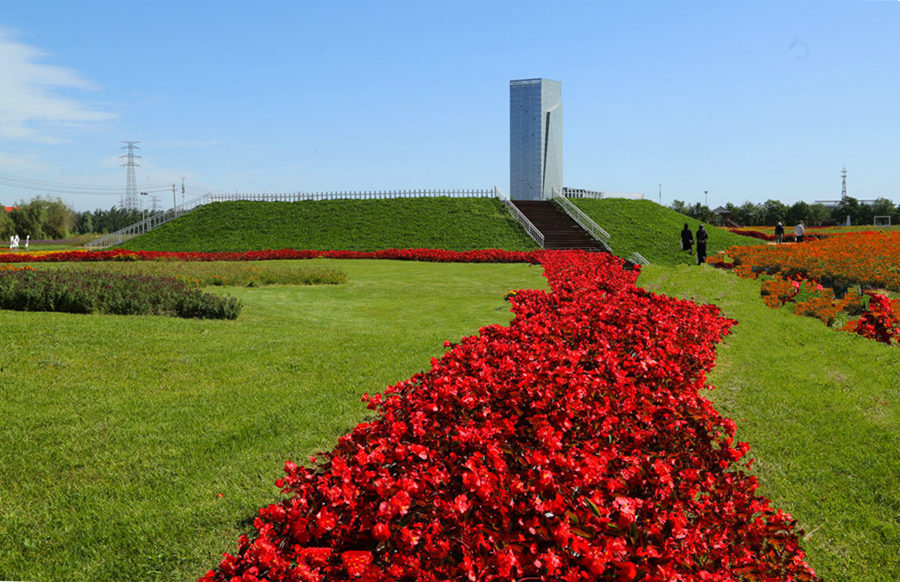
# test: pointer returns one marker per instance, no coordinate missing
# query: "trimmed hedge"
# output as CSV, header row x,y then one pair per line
x,y
74,291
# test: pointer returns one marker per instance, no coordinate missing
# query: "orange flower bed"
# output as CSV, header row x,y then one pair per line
x,y
810,275
861,258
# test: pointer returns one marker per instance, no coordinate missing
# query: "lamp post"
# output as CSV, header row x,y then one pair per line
x,y
706,198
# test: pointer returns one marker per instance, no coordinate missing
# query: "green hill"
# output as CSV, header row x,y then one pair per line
x,y
457,224
653,230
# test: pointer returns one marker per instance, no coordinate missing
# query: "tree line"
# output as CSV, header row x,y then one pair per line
x,y
52,219
772,211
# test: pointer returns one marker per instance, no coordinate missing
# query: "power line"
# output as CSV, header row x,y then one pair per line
x,y
35,184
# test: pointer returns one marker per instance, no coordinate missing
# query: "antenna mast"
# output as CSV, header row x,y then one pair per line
x,y
130,200
844,183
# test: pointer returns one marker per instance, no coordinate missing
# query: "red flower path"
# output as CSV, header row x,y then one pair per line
x,y
571,445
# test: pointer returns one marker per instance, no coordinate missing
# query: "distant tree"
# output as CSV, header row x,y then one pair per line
x,y
679,206
883,207
700,212
817,214
84,222
60,219
7,226
42,218
771,212
114,219
750,214
848,207
29,218
797,212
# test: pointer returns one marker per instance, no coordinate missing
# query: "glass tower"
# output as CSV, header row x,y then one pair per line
x,y
535,139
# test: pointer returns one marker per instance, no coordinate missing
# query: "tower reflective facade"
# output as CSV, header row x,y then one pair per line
x,y
535,139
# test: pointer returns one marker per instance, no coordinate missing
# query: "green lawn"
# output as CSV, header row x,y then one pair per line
x,y
820,410
121,431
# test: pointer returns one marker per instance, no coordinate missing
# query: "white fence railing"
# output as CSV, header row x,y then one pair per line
x,y
582,193
354,195
531,229
584,221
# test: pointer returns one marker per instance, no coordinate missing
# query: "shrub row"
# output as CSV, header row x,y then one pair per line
x,y
75,291
571,445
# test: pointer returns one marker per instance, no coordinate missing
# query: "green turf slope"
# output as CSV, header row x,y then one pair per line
x,y
457,224
653,230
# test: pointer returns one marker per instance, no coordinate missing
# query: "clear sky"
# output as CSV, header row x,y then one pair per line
x,y
748,100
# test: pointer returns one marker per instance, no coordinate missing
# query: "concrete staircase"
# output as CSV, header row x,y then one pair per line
x,y
558,228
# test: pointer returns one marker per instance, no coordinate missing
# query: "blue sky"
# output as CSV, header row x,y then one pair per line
x,y
748,100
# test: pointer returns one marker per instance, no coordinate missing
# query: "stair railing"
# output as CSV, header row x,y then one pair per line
x,y
638,258
148,224
584,221
531,229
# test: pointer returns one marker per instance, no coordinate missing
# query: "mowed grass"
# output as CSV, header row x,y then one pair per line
x,y
820,410
653,230
139,448
456,224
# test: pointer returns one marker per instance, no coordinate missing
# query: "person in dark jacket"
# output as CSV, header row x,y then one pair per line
x,y
687,239
779,233
702,235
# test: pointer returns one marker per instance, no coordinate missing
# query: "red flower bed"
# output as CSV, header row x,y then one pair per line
x,y
881,321
752,233
571,445
431,255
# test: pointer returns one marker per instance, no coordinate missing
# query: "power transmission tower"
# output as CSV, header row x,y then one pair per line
x,y
130,201
844,183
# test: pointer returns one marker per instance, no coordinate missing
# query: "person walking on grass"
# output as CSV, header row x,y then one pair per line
x,y
687,239
702,235
779,233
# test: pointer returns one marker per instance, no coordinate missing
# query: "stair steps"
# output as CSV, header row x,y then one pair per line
x,y
559,229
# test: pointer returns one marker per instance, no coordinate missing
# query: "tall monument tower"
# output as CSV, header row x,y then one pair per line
x,y
535,139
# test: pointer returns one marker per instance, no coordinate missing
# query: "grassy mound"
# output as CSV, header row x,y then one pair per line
x,y
457,224
653,230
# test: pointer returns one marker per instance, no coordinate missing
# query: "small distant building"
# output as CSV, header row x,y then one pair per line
x,y
721,216
9,208
535,139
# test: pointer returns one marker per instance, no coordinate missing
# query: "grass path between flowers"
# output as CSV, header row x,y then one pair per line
x,y
120,432
821,411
